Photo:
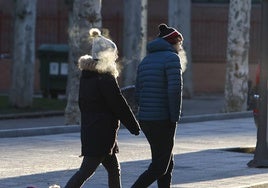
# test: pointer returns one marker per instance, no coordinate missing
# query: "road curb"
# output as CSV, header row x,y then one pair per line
x,y
9,133
217,116
31,115
23,132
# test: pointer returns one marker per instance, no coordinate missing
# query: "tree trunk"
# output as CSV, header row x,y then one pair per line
x,y
236,86
179,17
22,84
135,32
86,15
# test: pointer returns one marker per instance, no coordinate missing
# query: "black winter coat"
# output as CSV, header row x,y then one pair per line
x,y
102,106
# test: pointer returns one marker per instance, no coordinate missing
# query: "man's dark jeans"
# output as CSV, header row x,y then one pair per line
x,y
160,135
88,167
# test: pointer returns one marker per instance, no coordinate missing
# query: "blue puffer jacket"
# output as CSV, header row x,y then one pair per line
x,y
159,83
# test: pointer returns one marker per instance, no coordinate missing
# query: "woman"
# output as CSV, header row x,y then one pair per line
x,y
102,106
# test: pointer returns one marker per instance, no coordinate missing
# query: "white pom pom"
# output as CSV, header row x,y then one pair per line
x,y
94,32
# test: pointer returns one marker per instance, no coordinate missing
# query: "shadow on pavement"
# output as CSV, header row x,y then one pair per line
x,y
194,167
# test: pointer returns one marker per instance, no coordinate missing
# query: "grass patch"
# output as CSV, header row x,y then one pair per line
x,y
39,105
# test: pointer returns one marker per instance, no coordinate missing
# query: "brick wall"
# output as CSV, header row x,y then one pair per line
x,y
209,36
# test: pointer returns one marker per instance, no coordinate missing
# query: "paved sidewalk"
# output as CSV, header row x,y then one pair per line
x,y
197,109
41,151
201,158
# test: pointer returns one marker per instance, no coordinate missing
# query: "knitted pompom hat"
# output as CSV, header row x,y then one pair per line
x,y
170,34
101,44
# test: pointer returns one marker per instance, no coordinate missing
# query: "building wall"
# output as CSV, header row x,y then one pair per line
x,y
209,36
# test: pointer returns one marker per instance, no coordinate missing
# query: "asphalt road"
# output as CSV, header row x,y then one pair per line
x,y
201,159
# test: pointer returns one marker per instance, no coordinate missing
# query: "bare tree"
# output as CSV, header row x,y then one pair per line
x,y
84,16
179,16
135,36
22,86
236,86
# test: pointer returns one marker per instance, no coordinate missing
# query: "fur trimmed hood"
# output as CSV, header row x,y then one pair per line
x,y
104,65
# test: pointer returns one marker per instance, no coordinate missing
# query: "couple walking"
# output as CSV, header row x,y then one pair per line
x,y
102,106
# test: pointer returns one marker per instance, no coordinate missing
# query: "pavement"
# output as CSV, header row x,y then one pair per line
x,y
199,108
41,151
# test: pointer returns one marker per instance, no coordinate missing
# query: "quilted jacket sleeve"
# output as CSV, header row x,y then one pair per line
x,y
174,84
137,89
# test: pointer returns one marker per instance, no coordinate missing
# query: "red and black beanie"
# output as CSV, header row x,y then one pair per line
x,y
169,34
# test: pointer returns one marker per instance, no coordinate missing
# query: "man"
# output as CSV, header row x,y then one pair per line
x,y
159,97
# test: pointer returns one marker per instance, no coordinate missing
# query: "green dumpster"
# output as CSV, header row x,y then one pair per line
x,y
53,69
